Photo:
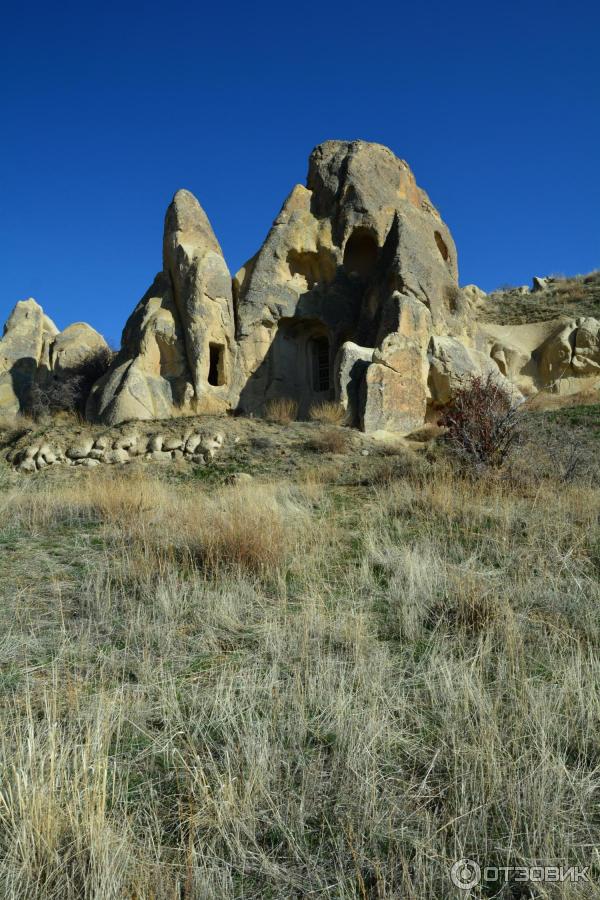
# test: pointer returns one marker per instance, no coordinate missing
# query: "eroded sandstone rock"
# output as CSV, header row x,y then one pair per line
x,y
340,249
33,351
177,346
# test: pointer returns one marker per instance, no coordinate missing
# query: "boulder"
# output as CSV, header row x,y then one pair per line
x,y
155,443
25,343
159,456
349,368
116,457
586,352
172,442
27,466
453,365
538,284
192,443
556,353
81,448
75,345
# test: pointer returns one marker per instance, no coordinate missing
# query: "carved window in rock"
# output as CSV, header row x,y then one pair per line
x,y
361,252
320,364
216,364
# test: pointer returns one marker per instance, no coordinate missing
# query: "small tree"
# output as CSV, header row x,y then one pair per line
x,y
482,422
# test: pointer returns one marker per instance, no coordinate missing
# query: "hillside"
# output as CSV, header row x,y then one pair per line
x,y
333,679
563,297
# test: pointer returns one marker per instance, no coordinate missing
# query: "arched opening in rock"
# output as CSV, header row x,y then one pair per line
x,y
319,361
361,252
315,267
216,364
441,245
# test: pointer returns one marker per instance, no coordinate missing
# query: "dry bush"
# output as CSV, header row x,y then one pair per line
x,y
68,392
330,440
482,423
281,410
328,413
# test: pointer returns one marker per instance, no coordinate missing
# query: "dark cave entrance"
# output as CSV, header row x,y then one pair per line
x,y
216,364
360,253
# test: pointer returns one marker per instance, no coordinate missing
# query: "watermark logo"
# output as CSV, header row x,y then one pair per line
x,y
467,873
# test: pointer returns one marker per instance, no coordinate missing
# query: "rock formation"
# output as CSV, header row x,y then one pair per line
x,y
353,296
341,253
177,347
117,448
33,351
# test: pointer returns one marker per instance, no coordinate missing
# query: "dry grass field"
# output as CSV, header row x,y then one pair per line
x,y
331,681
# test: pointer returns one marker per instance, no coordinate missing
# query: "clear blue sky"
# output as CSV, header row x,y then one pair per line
x,y
107,109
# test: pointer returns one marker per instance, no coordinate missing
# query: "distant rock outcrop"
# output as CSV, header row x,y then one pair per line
x,y
34,352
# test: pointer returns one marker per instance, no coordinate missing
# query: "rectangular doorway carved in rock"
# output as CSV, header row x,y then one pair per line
x,y
216,364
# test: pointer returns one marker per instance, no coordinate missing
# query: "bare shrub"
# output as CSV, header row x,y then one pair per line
x,y
331,440
482,423
69,391
281,410
328,413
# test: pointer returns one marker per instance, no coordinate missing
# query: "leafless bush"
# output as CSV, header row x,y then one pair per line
x,y
482,423
69,391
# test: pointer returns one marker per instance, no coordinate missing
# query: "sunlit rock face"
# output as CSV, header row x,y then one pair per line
x,y
177,348
352,297
341,251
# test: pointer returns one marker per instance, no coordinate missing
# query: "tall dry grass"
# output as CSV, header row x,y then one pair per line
x,y
281,410
328,412
295,691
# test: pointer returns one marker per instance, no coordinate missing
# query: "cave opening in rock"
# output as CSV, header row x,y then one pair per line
x,y
360,253
216,364
319,350
441,245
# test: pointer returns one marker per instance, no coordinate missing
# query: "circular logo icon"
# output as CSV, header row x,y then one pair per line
x,y
465,874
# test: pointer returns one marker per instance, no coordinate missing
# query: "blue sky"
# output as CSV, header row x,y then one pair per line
x,y
107,109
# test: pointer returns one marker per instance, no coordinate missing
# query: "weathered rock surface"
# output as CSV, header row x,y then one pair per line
x,y
395,387
32,351
350,366
73,346
354,295
361,230
177,346
452,365
118,449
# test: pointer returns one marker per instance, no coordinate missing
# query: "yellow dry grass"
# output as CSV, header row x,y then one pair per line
x,y
281,410
279,690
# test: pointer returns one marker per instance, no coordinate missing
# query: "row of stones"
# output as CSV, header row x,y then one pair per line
x,y
106,449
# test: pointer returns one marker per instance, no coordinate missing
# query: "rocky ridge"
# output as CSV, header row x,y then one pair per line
x,y
353,296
